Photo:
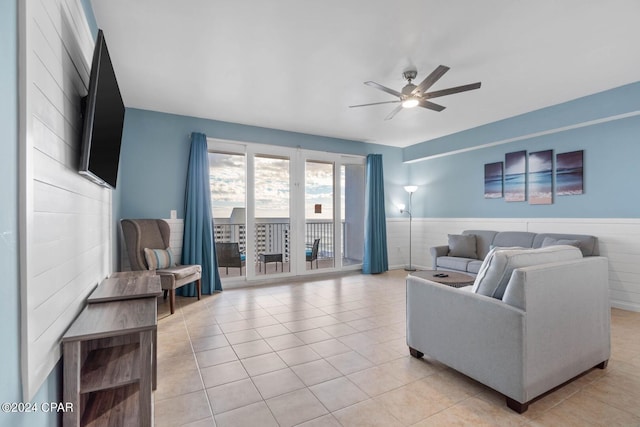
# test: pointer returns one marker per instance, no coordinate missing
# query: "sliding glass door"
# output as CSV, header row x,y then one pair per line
x,y
228,183
280,211
319,215
272,214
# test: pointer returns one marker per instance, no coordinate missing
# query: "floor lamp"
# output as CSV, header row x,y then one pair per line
x,y
409,189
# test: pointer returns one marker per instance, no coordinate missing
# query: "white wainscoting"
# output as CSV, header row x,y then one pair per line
x,y
65,220
618,239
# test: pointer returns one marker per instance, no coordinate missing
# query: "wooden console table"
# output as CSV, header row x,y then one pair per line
x,y
130,285
110,354
127,285
107,364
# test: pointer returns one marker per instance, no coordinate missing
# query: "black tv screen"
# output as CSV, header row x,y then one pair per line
x,y
103,120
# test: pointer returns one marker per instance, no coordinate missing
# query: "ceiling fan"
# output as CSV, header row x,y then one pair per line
x,y
413,96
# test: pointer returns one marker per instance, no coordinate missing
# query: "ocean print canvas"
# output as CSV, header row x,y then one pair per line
x,y
540,178
493,188
515,168
569,173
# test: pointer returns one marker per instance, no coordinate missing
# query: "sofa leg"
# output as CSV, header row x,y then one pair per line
x,y
172,300
602,365
199,288
415,353
517,406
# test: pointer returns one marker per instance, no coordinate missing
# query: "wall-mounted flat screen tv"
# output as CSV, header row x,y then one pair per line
x,y
103,120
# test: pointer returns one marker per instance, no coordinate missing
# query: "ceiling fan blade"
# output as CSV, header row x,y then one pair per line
x,y
394,112
430,105
384,89
374,103
451,90
431,79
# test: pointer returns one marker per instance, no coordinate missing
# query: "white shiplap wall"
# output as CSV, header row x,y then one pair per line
x,y
65,220
619,241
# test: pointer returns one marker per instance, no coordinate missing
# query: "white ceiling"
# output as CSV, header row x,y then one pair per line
x,y
297,65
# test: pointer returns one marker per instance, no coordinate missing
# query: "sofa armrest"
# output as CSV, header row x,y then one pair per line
x,y
437,251
567,318
479,336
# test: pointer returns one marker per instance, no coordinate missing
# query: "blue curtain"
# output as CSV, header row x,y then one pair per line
x,y
375,221
198,246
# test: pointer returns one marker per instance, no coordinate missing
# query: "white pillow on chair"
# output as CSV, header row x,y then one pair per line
x,y
158,258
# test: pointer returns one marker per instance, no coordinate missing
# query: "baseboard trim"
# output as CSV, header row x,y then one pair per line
x,y
625,305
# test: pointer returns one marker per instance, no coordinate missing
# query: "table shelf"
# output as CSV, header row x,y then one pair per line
x,y
110,367
114,407
109,364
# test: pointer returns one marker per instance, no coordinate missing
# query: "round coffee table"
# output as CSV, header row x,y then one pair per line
x,y
452,278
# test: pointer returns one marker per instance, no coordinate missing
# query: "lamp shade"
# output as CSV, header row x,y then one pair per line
x,y
410,188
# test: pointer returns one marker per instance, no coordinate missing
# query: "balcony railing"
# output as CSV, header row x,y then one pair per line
x,y
275,237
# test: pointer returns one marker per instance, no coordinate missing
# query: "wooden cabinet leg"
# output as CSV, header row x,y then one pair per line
x,y
146,380
154,343
71,379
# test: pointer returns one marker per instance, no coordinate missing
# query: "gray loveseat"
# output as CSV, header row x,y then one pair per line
x,y
444,259
533,320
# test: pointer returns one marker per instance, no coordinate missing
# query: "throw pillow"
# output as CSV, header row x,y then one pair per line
x,y
463,245
158,258
495,272
549,241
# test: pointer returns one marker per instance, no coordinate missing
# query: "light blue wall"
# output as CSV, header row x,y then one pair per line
x,y
10,378
10,289
601,105
452,186
10,382
155,151
91,18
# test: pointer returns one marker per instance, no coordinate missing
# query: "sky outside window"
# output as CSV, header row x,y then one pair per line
x,y
272,187
227,176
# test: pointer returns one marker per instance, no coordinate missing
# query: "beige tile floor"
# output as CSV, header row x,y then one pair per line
x,y
333,353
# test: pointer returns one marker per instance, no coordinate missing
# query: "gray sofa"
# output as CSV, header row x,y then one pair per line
x,y
443,259
549,324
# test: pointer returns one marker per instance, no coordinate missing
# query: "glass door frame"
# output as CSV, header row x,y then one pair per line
x,y
297,218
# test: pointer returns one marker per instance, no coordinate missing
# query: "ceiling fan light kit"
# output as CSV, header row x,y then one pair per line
x,y
410,102
413,96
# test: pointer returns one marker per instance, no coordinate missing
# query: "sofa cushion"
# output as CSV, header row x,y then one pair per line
x,y
453,263
523,239
588,244
483,241
474,266
181,271
158,258
497,267
550,241
463,246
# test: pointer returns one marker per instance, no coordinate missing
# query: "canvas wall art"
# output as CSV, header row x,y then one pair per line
x,y
540,178
515,168
493,180
569,173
